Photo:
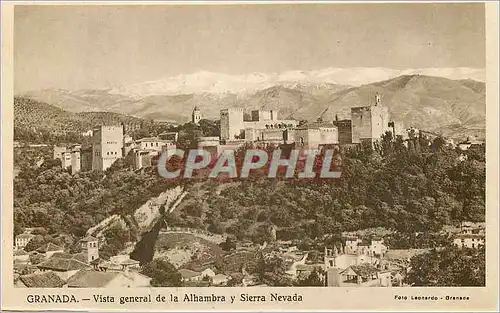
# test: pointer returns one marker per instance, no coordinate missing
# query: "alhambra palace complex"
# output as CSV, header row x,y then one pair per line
x,y
109,143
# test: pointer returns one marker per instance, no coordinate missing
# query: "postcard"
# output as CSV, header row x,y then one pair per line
x,y
244,156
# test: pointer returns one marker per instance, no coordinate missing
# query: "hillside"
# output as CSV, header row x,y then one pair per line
x,y
31,116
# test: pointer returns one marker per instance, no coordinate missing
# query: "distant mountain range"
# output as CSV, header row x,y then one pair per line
x,y
453,107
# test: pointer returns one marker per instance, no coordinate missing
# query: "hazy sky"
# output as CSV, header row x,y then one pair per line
x,y
77,47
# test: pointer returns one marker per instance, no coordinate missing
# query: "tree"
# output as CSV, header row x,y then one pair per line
x,y
229,244
271,270
163,274
314,279
448,267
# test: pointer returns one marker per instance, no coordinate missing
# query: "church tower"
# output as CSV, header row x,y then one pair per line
x,y
90,246
196,116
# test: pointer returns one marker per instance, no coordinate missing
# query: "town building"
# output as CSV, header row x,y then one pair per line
x,y
468,143
128,145
474,241
336,259
154,143
58,151
90,247
172,136
143,158
125,262
22,240
49,249
62,267
234,126
219,279
107,144
40,280
87,278
362,275
21,256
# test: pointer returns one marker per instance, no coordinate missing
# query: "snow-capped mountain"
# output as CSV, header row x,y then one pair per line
x,y
218,83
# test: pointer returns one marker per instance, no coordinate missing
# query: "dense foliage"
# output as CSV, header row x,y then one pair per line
x,y
397,189
449,267
163,273
50,197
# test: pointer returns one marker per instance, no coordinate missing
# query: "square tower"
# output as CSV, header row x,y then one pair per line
x,y
90,246
231,123
107,144
369,123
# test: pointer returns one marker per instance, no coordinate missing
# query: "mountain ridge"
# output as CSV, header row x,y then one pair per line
x,y
417,100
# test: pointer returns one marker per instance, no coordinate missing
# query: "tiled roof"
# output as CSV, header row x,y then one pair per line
x,y
49,248
20,252
364,269
25,236
77,256
478,236
91,279
42,280
62,265
88,238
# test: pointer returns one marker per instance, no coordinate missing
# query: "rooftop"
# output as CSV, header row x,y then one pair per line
x,y
364,269
91,279
88,238
62,265
42,280
153,139
77,256
49,247
20,252
25,236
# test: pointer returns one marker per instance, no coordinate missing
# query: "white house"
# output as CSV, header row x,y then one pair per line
x,y
22,240
469,240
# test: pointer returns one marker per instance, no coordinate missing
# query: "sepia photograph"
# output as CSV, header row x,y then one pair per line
x,y
327,145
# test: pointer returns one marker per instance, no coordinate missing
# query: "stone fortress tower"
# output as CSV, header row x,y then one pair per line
x,y
107,144
369,123
231,123
196,115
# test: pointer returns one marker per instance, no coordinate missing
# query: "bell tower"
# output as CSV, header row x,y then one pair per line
x,y
377,99
196,115
90,246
